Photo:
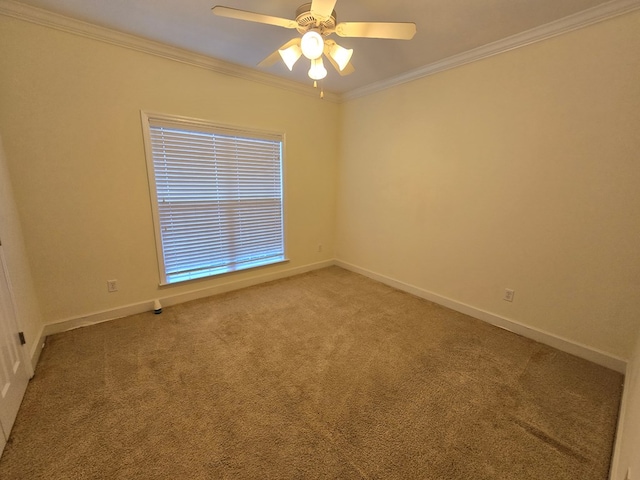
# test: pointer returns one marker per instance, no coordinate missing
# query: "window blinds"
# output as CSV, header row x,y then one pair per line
x,y
218,200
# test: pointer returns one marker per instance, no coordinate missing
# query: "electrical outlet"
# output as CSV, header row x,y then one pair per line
x,y
319,247
112,286
508,295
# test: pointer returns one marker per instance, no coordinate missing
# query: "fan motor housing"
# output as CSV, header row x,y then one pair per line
x,y
306,21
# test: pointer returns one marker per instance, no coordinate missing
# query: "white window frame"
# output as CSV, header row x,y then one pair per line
x,y
150,120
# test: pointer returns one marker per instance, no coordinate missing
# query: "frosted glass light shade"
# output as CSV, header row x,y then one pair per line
x,y
312,45
290,55
317,70
341,55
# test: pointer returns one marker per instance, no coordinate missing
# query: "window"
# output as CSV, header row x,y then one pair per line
x,y
216,194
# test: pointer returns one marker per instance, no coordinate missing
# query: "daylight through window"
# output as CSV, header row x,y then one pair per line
x,y
216,195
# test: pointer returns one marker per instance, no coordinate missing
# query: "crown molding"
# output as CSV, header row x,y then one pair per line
x,y
582,19
45,18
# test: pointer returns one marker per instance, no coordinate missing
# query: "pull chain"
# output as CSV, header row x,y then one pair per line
x,y
315,85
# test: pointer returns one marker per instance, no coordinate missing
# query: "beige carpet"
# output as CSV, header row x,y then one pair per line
x,y
324,375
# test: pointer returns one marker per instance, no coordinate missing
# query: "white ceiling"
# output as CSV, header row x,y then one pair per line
x,y
444,28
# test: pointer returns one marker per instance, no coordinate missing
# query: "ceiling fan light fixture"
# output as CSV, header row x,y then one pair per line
x,y
290,55
341,55
312,45
317,70
316,21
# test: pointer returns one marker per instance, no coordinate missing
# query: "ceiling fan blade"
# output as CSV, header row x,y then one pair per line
x,y
348,70
253,17
397,31
322,9
275,56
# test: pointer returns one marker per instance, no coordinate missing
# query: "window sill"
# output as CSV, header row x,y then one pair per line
x,y
222,273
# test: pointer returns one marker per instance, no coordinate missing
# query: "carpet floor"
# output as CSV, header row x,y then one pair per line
x,y
323,375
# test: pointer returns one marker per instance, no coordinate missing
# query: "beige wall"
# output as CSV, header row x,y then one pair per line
x,y
518,171
19,270
70,118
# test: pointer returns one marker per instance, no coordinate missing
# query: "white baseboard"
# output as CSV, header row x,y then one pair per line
x,y
169,300
583,351
594,355
36,348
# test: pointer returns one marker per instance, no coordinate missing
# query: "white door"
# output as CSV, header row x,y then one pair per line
x,y
13,372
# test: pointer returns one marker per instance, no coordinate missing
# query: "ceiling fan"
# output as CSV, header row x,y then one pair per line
x,y
315,21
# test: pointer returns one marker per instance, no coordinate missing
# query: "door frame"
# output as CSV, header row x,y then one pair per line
x,y
26,358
